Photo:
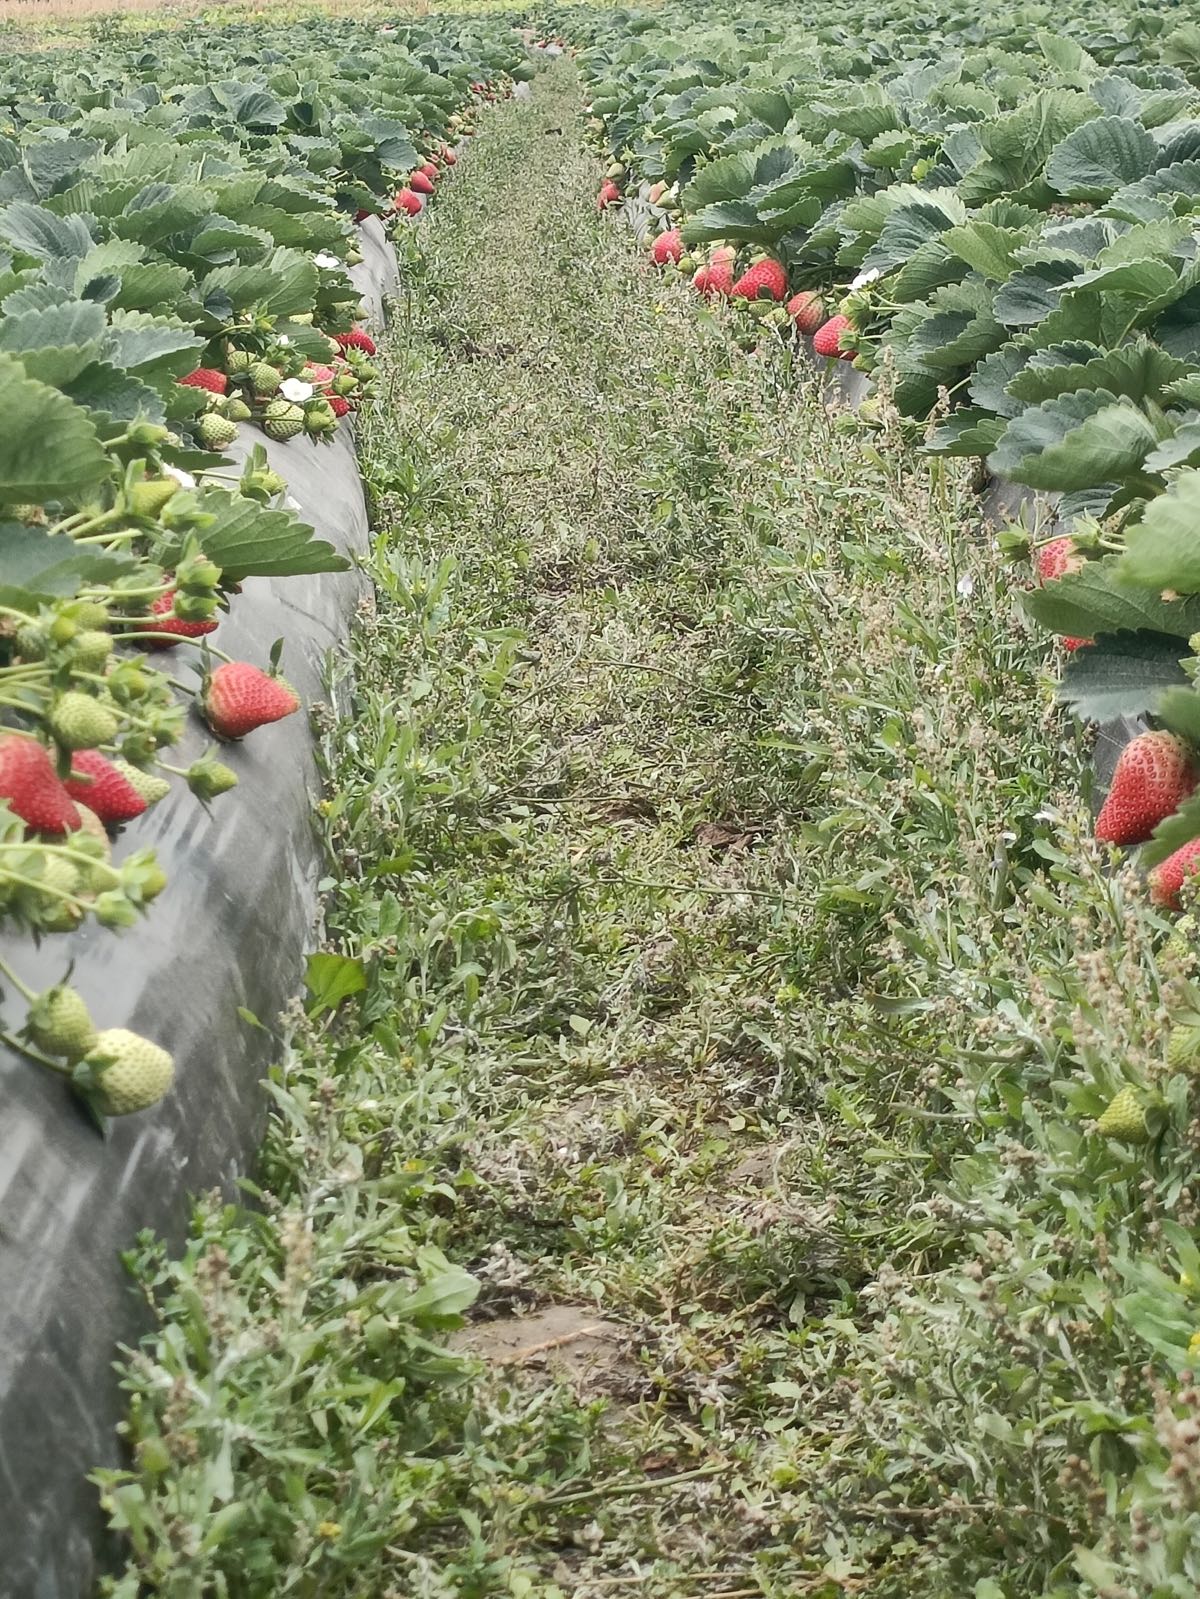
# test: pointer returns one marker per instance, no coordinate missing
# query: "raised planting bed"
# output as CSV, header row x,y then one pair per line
x,y
184,304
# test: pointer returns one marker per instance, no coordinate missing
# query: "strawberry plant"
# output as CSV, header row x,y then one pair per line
x,y
177,225
1003,217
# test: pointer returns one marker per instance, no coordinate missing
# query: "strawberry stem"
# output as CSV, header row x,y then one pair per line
x,y
67,854
30,1053
22,988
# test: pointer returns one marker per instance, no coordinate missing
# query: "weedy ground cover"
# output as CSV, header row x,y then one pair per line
x,y
737,970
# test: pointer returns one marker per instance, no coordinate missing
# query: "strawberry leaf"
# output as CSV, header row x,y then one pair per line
x,y
1162,551
244,539
49,447
1099,600
40,566
1138,371
968,432
1122,674
1095,160
1073,441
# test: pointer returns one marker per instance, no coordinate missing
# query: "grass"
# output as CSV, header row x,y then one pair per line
x,y
740,973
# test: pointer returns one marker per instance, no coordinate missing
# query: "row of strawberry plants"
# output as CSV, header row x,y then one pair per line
x,y
998,221
177,227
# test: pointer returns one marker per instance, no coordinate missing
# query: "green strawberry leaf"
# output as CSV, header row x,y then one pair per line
x,y
1074,441
40,566
1122,674
729,219
969,432
242,538
1099,600
49,449
1095,160
729,178
1162,551
986,248
1138,371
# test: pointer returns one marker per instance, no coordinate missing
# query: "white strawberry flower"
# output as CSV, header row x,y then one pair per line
x,y
282,338
327,262
184,479
966,585
863,278
294,390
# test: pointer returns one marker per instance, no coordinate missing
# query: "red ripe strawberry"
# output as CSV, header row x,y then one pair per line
x,y
1073,644
448,156
608,194
32,788
667,247
406,200
1153,775
828,338
172,628
361,216
338,404
102,788
1057,559
418,181
207,377
807,311
356,339
431,171
716,277
765,280
1167,880
239,697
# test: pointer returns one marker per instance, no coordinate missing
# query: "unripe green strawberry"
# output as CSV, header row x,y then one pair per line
x,y
80,722
237,410
1183,1047
197,575
344,383
151,787
318,420
58,1023
125,1072
148,497
151,883
215,432
33,641
207,778
87,614
45,905
282,420
31,515
237,361
264,379
91,649
1124,1118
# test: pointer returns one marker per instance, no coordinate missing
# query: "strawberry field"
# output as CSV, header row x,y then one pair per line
x,y
599,811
